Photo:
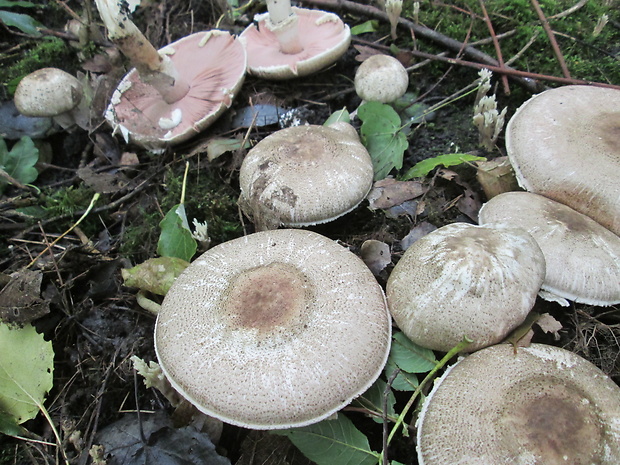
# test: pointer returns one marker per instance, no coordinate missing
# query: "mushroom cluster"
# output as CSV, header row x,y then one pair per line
x,y
542,405
273,330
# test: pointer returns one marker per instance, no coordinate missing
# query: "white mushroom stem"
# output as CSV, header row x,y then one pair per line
x,y
154,68
282,21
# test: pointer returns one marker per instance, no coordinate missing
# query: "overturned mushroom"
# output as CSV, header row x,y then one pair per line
x,y
541,406
305,175
468,281
176,92
582,257
273,330
563,144
292,42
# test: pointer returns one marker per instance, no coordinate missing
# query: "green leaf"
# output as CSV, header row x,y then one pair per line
x,y
26,24
410,357
331,442
373,400
9,4
382,136
368,26
176,239
26,367
424,167
337,116
20,161
404,381
9,426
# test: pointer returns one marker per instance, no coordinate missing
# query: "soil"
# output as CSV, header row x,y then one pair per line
x,y
93,320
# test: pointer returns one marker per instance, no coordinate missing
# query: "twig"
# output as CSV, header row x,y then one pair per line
x,y
498,49
551,35
571,10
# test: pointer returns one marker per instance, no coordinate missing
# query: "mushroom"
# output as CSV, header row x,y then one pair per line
x,y
176,92
563,144
468,281
273,330
292,42
542,405
381,78
49,92
305,175
582,257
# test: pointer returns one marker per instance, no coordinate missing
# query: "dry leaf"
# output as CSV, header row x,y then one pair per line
x,y
21,300
389,192
549,325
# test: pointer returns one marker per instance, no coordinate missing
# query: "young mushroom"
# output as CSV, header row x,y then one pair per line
x,y
563,144
305,175
582,257
468,281
273,330
176,92
381,78
49,92
292,42
541,406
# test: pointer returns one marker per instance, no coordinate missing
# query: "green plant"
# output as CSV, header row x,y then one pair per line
x,y
25,23
18,163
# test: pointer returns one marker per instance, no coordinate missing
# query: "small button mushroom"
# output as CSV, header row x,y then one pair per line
x,y
276,329
290,42
381,78
582,257
468,281
542,405
305,175
563,144
49,92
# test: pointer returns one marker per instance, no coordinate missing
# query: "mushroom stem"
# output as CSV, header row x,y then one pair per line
x,y
282,21
154,67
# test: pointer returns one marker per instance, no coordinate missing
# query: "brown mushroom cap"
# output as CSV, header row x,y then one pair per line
x,y
323,37
542,405
212,62
563,144
381,78
582,257
273,330
306,175
47,92
463,280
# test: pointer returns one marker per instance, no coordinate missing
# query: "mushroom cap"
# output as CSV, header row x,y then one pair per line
x,y
542,405
323,36
273,330
212,62
381,78
582,257
305,175
563,144
47,92
462,281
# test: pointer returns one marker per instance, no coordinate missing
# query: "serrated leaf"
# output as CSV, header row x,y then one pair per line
x,y
404,381
424,167
409,356
176,239
26,367
25,23
381,134
155,275
20,161
373,400
332,442
338,116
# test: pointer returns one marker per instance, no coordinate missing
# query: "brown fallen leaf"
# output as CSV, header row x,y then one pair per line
x,y
549,325
389,192
20,298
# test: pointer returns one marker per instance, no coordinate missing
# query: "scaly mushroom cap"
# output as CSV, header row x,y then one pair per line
x,y
306,175
583,257
47,92
381,78
323,37
213,63
273,330
463,280
563,144
541,406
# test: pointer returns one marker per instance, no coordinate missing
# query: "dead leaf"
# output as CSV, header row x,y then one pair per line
x,y
20,299
418,231
469,202
103,182
389,192
549,325
376,255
